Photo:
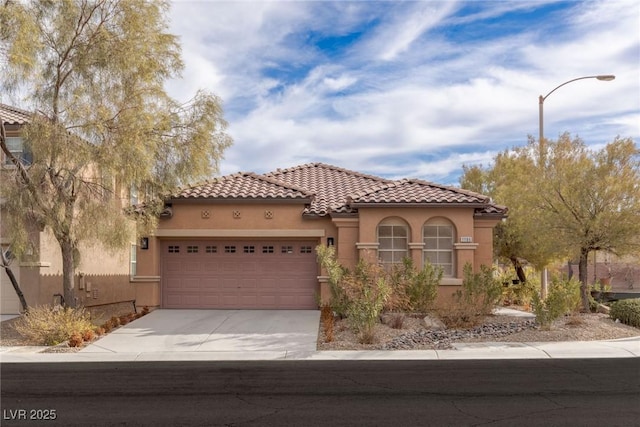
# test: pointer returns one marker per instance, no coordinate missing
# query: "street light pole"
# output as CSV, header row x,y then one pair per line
x,y
542,147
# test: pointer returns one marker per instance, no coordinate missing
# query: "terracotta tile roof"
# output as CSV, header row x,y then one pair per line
x,y
330,184
415,191
14,116
243,185
492,210
332,190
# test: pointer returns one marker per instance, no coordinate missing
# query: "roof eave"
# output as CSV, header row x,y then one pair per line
x,y
416,204
248,200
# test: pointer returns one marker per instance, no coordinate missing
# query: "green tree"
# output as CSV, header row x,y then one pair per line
x,y
94,71
579,201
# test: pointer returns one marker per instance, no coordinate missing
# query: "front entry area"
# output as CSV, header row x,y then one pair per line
x,y
239,274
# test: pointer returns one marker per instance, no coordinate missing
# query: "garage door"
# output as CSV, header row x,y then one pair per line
x,y
239,274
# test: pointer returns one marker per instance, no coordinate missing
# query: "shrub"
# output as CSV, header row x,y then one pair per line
x,y
48,325
366,290
327,259
88,335
627,311
76,340
328,321
412,289
563,298
479,294
520,293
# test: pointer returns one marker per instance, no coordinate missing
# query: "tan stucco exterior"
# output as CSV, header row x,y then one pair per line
x,y
354,236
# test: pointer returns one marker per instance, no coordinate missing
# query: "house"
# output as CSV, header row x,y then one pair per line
x,y
247,240
103,277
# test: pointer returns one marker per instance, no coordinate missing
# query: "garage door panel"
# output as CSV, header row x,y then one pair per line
x,y
239,274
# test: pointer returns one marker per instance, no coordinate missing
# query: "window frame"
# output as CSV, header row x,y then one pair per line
x,y
133,260
398,254
23,155
437,249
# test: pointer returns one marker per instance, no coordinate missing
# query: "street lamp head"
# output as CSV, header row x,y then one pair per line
x,y
606,77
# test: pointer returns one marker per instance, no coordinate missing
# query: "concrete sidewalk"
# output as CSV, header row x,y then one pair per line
x,y
201,335
621,348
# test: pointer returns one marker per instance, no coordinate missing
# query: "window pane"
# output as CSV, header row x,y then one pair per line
x,y
445,243
399,243
447,270
385,256
431,243
14,144
445,231
444,257
431,257
386,243
399,230
384,230
398,256
430,231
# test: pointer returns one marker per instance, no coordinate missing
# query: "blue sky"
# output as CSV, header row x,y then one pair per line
x,y
408,89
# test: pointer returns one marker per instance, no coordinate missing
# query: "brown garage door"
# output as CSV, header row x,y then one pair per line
x,y
239,274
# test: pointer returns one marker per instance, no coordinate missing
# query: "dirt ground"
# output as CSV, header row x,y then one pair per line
x,y
100,314
577,327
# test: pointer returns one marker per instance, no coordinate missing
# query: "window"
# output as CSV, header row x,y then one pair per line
x,y
174,249
133,195
393,241
249,249
267,249
287,250
211,249
230,249
306,249
192,249
438,246
133,261
15,145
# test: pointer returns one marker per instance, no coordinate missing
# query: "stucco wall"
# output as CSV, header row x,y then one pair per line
x,y
478,251
224,221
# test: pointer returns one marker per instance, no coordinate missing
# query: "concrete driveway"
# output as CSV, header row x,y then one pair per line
x,y
276,332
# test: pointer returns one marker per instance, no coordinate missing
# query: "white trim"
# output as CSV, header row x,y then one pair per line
x,y
360,245
450,281
417,245
190,232
467,246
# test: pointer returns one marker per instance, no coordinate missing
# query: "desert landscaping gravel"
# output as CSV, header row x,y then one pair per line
x,y
414,336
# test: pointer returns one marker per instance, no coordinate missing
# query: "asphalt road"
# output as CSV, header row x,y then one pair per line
x,y
578,392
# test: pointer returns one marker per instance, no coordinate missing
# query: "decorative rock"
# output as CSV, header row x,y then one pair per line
x,y
433,324
442,339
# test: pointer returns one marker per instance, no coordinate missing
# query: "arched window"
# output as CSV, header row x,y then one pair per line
x,y
438,236
393,239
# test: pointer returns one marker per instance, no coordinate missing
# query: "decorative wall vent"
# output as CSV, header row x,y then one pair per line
x,y
205,214
268,214
237,214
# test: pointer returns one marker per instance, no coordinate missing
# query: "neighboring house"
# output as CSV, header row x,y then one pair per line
x,y
247,240
102,277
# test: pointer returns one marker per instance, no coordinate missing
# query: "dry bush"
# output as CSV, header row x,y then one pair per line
x,y
479,295
328,322
88,335
575,321
76,340
48,325
459,316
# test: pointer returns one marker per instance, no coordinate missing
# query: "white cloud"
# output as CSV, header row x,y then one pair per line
x,y
403,96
